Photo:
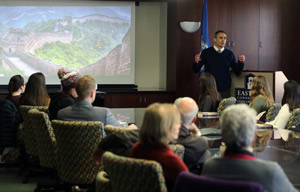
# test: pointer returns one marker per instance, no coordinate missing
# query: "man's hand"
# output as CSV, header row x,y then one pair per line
x,y
132,127
194,129
241,58
197,57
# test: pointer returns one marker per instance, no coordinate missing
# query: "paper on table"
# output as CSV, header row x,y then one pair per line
x,y
284,134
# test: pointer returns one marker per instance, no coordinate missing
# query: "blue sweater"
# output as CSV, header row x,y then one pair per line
x,y
218,64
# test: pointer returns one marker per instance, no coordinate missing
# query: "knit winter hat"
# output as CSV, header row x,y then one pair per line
x,y
68,79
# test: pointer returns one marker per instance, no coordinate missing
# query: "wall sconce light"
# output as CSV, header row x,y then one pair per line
x,y
190,26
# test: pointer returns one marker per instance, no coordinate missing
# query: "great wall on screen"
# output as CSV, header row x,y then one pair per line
x,y
94,42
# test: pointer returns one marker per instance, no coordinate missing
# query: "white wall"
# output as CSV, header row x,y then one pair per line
x,y
151,46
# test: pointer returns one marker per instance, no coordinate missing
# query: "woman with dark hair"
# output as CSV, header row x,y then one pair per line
x,y
209,96
35,93
16,87
289,102
160,126
261,95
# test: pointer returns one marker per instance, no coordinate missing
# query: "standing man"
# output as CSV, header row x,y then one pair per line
x,y
217,60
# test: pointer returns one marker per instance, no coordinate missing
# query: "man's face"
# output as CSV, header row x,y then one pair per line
x,y
220,41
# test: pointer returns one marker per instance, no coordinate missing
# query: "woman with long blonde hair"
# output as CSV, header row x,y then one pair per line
x,y
261,95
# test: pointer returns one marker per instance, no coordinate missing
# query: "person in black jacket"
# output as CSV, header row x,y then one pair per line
x,y
68,95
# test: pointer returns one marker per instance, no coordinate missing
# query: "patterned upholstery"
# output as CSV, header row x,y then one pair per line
x,y
27,131
110,129
76,141
226,103
294,120
273,112
130,175
45,138
177,149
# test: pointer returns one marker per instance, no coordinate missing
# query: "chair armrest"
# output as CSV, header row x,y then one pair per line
x,y
102,182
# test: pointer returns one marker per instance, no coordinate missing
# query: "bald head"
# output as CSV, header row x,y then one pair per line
x,y
188,109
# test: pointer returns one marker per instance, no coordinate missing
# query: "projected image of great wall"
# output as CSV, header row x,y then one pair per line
x,y
93,42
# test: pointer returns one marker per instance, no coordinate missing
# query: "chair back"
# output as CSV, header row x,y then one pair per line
x,y
194,183
8,124
45,138
76,141
273,112
132,175
177,149
226,102
294,119
27,130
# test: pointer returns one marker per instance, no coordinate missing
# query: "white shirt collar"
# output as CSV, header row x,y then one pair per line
x,y
222,49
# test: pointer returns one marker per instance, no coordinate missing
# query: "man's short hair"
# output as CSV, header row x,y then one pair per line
x,y
85,85
187,116
238,124
219,31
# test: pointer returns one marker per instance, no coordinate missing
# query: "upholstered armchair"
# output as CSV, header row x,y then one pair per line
x,y
130,175
294,120
76,141
45,138
273,112
27,131
226,102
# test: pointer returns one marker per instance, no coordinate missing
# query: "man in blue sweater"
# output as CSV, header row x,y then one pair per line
x,y
217,60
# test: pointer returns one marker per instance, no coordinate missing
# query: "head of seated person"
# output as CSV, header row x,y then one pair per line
x,y
209,96
86,88
291,95
160,125
16,87
238,126
35,93
68,95
68,81
261,95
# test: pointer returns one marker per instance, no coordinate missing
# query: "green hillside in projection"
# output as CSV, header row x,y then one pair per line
x,y
92,40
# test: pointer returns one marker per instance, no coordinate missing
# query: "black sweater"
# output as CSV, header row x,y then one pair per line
x,y
218,64
58,102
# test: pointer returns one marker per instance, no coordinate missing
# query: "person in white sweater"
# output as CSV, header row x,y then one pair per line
x,y
290,101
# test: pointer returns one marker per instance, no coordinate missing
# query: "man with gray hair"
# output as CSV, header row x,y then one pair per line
x,y
196,147
238,126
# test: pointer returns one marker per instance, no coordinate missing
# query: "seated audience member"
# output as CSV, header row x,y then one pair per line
x,y
261,95
196,147
83,109
16,87
289,102
160,126
238,126
209,97
35,93
68,95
